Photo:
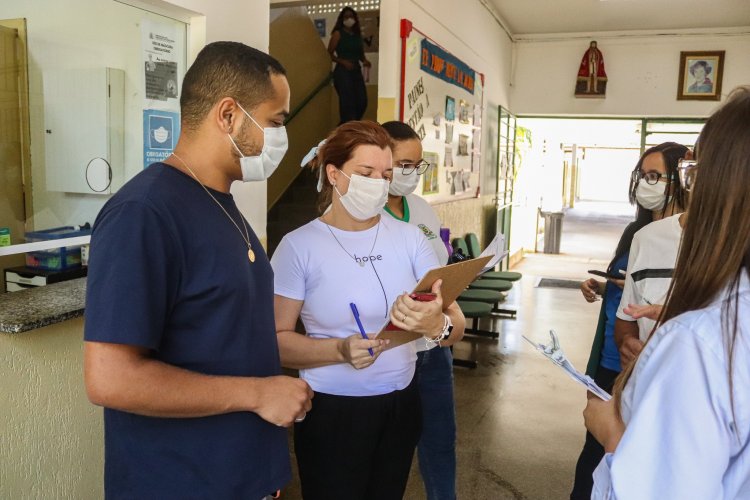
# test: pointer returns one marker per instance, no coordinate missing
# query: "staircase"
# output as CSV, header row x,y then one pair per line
x,y
296,207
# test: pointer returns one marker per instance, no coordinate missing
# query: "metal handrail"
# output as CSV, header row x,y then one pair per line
x,y
309,98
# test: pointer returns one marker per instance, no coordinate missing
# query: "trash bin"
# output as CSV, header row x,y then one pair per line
x,y
552,231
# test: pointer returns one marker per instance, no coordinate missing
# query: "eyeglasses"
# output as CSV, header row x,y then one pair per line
x,y
651,178
421,167
687,170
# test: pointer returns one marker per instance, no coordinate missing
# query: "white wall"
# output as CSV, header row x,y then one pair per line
x,y
465,28
642,72
80,34
98,33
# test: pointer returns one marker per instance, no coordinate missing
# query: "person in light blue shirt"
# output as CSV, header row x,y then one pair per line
x,y
679,423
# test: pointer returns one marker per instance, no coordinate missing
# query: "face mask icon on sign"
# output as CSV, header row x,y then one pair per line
x,y
161,135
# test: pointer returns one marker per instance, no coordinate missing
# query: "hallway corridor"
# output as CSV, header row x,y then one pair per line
x,y
520,427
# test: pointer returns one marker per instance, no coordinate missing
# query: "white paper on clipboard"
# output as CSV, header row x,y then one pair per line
x,y
496,249
554,353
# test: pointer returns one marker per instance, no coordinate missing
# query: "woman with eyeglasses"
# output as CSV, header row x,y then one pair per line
x,y
604,362
437,446
654,249
679,424
408,167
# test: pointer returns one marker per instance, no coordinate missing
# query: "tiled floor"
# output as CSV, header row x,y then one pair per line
x,y
519,417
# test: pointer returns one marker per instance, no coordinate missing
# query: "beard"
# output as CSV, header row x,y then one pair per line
x,y
245,142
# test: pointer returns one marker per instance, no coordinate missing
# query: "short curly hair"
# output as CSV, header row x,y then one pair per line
x,y
706,67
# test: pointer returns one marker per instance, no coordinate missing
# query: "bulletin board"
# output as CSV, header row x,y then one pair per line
x,y
442,99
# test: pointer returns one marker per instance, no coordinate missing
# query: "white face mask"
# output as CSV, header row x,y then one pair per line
x,y
349,22
365,197
651,197
402,184
275,144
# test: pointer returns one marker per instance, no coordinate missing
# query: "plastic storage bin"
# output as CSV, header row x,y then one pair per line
x,y
56,259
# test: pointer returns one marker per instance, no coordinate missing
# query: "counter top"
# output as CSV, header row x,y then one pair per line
x,y
41,306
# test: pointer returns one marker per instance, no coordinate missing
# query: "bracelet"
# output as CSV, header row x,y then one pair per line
x,y
447,328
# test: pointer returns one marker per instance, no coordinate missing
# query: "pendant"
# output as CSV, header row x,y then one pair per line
x,y
251,254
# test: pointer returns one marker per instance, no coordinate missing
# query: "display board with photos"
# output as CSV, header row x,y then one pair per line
x,y
442,99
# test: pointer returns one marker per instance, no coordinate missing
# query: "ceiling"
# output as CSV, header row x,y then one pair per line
x,y
533,17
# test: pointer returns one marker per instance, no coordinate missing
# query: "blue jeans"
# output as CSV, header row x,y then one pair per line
x,y
437,446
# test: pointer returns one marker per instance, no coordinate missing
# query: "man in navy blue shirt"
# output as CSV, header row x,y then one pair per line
x,y
180,344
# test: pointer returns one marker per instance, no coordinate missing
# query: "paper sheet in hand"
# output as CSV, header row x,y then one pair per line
x,y
456,277
555,354
496,250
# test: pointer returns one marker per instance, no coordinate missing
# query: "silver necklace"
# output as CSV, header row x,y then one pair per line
x,y
361,262
246,236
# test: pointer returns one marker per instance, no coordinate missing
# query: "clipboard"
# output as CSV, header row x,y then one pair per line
x,y
456,277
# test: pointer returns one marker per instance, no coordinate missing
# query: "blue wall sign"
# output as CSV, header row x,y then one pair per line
x,y
160,132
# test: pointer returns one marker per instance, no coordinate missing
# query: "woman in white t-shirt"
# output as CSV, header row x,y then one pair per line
x,y
679,424
437,446
358,440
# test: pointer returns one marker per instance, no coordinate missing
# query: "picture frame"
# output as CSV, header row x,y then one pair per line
x,y
430,179
463,112
701,74
450,108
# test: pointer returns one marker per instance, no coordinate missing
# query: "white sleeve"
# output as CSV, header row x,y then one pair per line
x,y
434,225
677,441
602,489
629,292
424,257
288,271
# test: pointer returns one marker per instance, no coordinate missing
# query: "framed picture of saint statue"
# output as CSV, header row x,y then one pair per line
x,y
700,76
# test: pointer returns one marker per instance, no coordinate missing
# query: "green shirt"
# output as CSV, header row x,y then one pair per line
x,y
405,218
350,46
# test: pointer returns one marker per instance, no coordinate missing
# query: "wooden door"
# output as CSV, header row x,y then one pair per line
x,y
12,209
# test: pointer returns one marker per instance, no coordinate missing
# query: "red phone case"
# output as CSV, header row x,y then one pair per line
x,y
423,296
419,296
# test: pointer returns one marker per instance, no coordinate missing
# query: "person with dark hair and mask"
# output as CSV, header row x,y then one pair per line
x,y
347,50
604,362
437,446
654,249
358,440
180,346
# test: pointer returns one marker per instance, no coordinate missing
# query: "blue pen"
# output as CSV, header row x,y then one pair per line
x,y
359,325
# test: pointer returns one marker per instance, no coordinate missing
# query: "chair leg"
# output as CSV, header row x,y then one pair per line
x,y
474,330
464,363
504,312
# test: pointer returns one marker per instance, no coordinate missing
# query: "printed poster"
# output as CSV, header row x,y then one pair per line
x,y
162,50
160,132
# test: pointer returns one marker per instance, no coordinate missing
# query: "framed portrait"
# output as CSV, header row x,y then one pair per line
x,y
700,76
